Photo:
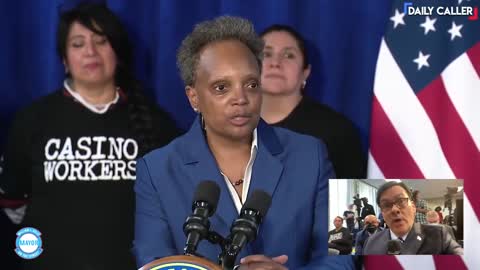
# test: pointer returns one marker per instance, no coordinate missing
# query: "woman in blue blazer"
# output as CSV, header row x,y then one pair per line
x,y
228,143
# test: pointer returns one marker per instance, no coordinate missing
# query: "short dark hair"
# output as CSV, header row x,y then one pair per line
x,y
338,217
390,184
219,29
294,33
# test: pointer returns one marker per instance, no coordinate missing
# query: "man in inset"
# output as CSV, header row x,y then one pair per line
x,y
403,235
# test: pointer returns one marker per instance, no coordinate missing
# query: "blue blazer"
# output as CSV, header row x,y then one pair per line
x,y
293,168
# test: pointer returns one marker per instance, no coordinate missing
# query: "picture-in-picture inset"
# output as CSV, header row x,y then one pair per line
x,y
395,217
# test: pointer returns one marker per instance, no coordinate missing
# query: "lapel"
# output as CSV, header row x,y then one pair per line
x,y
381,241
201,165
267,168
414,240
266,173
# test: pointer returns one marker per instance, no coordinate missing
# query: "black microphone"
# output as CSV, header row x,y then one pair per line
x,y
393,247
245,228
197,225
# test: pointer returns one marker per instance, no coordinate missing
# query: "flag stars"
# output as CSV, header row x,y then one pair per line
x,y
455,31
397,18
422,60
428,25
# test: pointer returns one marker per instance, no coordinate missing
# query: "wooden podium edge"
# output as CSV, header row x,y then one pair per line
x,y
196,261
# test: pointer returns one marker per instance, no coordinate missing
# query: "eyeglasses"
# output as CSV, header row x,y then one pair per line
x,y
400,203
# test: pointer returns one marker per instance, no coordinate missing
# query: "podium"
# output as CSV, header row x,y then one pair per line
x,y
181,262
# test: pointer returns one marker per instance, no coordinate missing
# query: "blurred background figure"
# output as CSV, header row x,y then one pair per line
x,y
284,77
367,208
371,226
421,205
358,204
350,217
340,238
438,209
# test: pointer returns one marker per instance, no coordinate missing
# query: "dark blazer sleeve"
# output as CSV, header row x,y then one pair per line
x,y
152,236
450,246
319,258
450,230
359,242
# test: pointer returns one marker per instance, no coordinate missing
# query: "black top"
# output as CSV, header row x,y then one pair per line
x,y
367,210
349,218
77,168
335,130
340,240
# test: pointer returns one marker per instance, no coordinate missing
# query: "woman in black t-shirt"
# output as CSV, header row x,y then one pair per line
x,y
71,155
285,72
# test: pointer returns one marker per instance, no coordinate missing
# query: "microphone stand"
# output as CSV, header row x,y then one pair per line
x,y
226,259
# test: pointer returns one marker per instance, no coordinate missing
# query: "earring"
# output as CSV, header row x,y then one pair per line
x,y
195,109
202,121
66,70
304,84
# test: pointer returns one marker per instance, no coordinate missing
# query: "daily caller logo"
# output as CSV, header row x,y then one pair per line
x,y
422,9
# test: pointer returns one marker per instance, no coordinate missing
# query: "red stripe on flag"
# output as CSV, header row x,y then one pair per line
x,y
448,262
456,142
474,55
387,148
381,262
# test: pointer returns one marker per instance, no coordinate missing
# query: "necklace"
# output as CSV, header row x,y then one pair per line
x,y
238,183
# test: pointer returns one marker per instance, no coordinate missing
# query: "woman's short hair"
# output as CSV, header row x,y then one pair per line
x,y
295,34
208,32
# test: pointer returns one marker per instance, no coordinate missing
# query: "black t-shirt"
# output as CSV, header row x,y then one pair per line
x,y
77,168
349,218
335,130
341,240
367,210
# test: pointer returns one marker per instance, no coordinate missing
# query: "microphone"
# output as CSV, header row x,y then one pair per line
x,y
245,228
197,225
393,247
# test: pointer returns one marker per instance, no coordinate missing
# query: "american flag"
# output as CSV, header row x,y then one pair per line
x,y
426,116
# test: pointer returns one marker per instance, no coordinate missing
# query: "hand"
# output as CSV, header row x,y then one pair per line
x,y
261,262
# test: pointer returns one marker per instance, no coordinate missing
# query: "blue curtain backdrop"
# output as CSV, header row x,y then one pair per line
x,y
343,37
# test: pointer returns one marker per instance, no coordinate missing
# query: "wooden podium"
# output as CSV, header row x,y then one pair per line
x,y
181,262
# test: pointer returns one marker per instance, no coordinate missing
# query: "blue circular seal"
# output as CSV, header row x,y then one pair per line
x,y
28,243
